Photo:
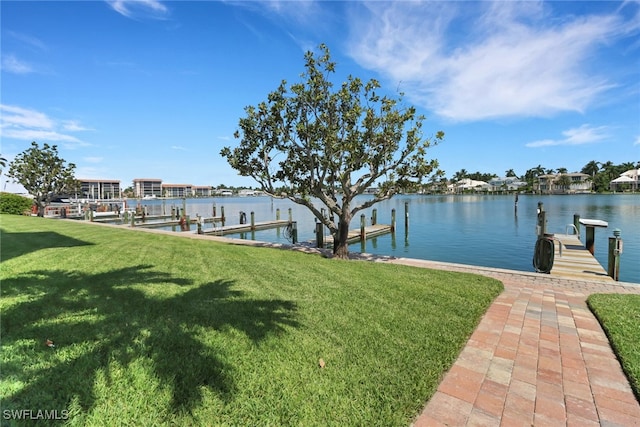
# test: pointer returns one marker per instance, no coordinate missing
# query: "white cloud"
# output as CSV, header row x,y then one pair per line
x,y
637,141
30,125
73,126
178,147
13,116
38,135
514,61
585,134
11,64
134,8
29,40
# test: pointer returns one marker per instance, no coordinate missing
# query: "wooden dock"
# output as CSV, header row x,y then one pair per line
x,y
165,221
245,228
572,260
370,232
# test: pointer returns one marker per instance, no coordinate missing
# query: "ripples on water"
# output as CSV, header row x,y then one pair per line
x,y
467,229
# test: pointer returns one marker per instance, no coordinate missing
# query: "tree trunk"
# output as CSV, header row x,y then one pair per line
x,y
340,246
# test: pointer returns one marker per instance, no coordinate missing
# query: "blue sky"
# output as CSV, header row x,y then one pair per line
x,y
154,89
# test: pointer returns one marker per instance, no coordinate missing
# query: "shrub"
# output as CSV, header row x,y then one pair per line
x,y
14,204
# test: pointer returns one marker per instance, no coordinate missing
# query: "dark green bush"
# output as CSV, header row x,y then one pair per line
x,y
14,204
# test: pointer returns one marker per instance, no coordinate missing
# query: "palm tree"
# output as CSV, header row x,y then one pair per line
x,y
591,168
509,173
461,174
563,182
3,163
561,170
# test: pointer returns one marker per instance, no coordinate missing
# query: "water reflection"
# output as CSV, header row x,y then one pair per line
x,y
470,229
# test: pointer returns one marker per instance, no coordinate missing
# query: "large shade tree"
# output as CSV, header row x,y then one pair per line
x,y
43,174
321,146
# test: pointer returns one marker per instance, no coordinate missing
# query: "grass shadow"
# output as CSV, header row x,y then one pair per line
x,y
99,320
16,244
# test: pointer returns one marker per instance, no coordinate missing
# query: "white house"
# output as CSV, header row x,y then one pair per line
x,y
509,183
629,177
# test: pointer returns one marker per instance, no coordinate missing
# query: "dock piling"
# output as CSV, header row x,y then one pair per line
x,y
406,216
319,235
393,220
374,217
541,226
615,249
253,221
363,223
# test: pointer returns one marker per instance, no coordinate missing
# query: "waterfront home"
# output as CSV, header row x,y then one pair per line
x,y
563,183
468,184
509,183
626,180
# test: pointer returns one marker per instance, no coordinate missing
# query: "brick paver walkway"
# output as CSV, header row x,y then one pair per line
x,y
538,358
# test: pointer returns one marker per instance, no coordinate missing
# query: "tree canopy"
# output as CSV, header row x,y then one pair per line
x,y
43,174
322,146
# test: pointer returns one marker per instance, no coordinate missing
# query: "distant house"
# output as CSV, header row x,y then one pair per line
x,y
629,179
468,184
555,184
509,183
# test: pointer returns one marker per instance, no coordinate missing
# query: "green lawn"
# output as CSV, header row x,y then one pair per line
x,y
156,329
620,318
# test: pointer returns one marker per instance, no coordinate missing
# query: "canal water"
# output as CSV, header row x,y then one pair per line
x,y
479,230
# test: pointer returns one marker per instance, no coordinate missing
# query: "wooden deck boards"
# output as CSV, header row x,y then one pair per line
x,y
576,262
354,235
243,228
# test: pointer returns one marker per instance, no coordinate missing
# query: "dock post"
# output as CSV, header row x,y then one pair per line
x,y
406,216
576,223
590,239
91,215
393,220
541,227
222,214
188,223
253,221
319,235
374,217
133,219
199,223
184,205
214,210
615,249
363,234
294,231
173,213
290,215
278,214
